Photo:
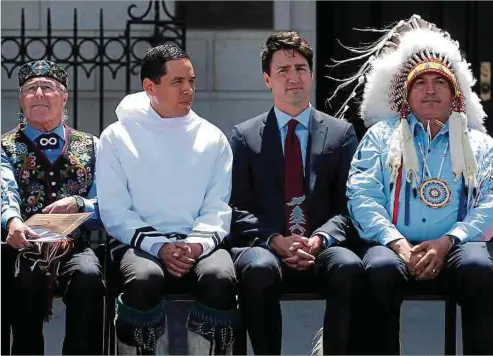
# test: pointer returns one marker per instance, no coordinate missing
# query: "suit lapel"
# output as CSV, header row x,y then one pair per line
x,y
315,147
272,147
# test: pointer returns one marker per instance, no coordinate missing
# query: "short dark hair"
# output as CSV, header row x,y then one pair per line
x,y
285,40
154,62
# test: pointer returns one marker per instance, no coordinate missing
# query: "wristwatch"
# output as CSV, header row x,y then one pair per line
x,y
455,240
80,202
323,240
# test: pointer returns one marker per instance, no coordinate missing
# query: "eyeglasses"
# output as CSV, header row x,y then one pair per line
x,y
46,88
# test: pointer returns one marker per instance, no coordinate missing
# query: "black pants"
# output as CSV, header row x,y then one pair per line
x,y
338,273
467,275
8,259
83,290
145,280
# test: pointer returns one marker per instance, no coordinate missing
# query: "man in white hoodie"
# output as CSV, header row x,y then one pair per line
x,y
164,193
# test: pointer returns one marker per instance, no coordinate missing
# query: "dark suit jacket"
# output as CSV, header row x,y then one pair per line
x,y
258,178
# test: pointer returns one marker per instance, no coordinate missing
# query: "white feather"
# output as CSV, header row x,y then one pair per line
x,y
395,152
456,126
469,160
409,156
318,343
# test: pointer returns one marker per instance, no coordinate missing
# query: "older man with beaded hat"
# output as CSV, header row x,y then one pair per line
x,y
420,188
48,167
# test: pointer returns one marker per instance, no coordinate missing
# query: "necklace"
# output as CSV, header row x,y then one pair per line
x,y
434,192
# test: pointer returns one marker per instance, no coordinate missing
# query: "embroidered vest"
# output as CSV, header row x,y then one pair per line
x,y
41,182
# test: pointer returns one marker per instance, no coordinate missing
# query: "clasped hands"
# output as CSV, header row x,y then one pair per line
x,y
296,251
179,257
423,261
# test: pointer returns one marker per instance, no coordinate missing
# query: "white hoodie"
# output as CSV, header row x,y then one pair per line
x,y
162,176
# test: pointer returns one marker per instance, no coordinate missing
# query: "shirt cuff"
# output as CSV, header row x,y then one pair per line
x,y
459,233
152,244
328,240
154,250
390,235
94,222
9,214
266,244
209,241
89,205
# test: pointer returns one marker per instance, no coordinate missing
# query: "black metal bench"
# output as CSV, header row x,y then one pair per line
x,y
240,347
415,293
450,317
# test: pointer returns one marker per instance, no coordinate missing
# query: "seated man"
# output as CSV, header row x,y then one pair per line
x,y
421,182
48,167
289,193
164,192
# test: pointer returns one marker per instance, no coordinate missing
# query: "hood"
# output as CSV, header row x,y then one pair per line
x,y
135,106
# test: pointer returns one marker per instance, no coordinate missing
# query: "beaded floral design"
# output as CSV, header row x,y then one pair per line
x,y
73,170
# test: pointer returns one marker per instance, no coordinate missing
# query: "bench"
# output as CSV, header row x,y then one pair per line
x,y
240,347
414,293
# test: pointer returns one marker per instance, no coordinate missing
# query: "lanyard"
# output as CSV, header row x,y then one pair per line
x,y
425,163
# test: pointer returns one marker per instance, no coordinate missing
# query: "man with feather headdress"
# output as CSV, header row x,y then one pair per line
x,y
420,188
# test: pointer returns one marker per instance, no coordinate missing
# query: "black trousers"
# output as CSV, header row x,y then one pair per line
x,y
82,285
338,273
144,280
8,259
467,275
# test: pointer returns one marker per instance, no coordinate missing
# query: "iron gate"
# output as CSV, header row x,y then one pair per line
x,y
166,27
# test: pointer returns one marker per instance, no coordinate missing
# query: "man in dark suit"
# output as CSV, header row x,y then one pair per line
x,y
290,169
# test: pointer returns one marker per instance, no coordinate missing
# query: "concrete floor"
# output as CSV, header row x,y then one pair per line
x,y
422,327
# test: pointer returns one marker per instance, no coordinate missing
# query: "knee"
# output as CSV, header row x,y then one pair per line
x,y
347,277
383,271
476,275
351,271
143,289
257,276
217,287
85,290
87,281
144,278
